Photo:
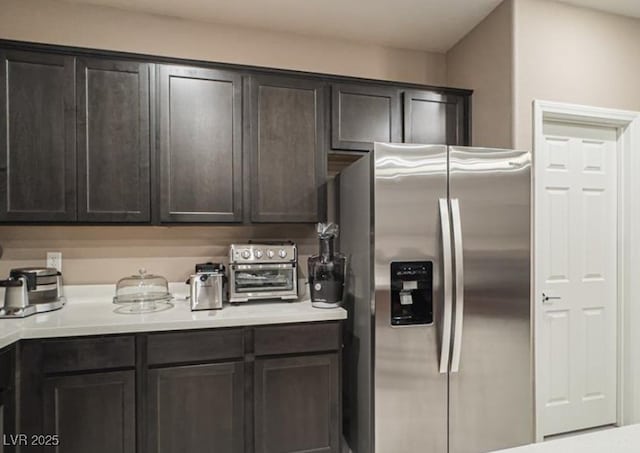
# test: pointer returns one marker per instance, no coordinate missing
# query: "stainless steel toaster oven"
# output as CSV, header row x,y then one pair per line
x,y
263,272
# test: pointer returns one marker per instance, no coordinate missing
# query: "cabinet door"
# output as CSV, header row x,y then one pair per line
x,y
288,155
296,404
435,119
91,412
200,145
7,411
37,137
196,409
362,115
113,141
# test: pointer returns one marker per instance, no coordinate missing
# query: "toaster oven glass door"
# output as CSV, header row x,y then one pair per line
x,y
264,278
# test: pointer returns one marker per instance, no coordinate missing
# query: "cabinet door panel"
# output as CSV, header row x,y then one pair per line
x,y
5,428
362,115
288,166
296,404
91,412
113,141
196,409
37,137
7,398
435,119
200,145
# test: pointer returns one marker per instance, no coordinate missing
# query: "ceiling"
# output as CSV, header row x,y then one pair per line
x,y
433,25
430,25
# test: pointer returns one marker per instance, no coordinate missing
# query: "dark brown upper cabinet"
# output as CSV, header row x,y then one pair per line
x,y
286,131
435,118
200,145
113,141
362,115
95,137
37,137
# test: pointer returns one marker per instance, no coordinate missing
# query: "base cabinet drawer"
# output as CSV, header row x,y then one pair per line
x,y
91,412
297,403
196,408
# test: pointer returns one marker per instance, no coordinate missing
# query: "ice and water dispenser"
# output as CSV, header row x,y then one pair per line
x,y
411,293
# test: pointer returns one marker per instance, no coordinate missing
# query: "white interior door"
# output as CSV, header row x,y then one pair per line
x,y
576,250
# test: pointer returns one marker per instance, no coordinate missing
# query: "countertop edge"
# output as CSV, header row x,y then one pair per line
x,y
18,332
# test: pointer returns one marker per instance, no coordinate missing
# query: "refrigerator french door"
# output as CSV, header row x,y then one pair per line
x,y
438,351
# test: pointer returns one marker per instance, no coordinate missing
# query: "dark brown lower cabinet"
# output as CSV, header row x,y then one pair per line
x,y
7,400
297,404
4,412
197,408
91,412
263,389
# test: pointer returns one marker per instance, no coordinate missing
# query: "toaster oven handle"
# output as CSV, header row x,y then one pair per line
x,y
10,283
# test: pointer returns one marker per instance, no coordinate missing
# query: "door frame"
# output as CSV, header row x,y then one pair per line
x,y
628,257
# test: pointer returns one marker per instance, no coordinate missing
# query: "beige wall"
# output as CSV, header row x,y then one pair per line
x,y
105,254
107,28
576,55
483,61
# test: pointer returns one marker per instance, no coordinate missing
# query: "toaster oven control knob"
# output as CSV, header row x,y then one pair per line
x,y
270,253
246,254
257,253
282,253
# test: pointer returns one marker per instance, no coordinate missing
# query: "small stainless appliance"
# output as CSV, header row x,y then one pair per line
x,y
207,287
31,290
263,271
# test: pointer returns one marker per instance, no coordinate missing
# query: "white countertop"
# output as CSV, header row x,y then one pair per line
x,y
90,311
615,440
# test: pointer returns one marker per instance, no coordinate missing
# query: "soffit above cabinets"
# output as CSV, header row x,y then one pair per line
x,y
428,25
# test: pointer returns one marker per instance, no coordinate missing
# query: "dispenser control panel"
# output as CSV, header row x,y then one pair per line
x,y
411,293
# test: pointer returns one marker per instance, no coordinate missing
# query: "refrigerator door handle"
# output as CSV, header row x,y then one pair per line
x,y
459,285
448,299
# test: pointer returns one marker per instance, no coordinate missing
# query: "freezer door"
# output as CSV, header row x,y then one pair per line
x,y
410,391
490,384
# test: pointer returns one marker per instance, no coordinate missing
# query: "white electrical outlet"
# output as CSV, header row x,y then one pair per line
x,y
54,259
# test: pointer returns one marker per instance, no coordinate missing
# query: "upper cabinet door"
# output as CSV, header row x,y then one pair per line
x,y
37,137
200,145
113,141
288,155
362,115
435,119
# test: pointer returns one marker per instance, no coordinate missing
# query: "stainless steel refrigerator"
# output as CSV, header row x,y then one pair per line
x,y
438,355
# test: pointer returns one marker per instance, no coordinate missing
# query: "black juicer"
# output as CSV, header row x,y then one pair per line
x,y
327,270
